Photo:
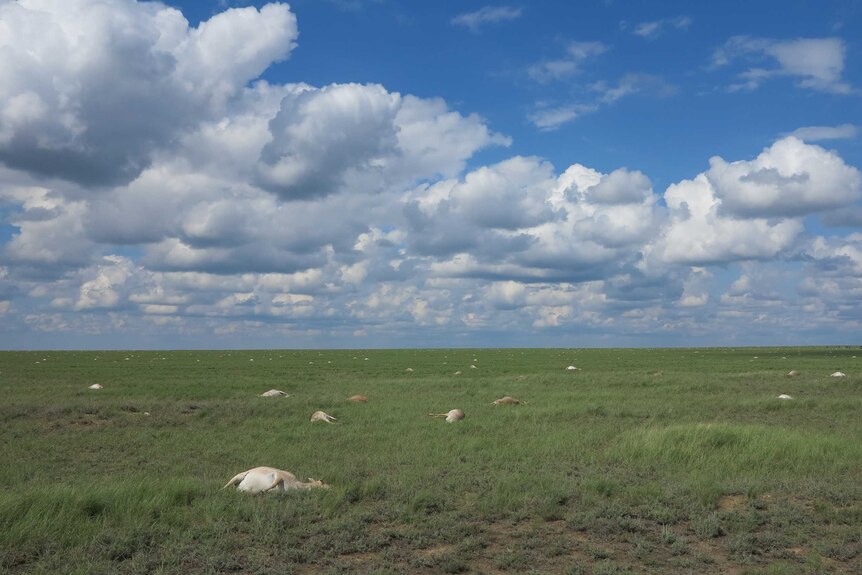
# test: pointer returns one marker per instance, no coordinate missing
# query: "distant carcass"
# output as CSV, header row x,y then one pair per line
x,y
507,401
263,479
451,415
274,393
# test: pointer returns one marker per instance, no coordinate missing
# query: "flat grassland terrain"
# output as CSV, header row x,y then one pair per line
x,y
641,461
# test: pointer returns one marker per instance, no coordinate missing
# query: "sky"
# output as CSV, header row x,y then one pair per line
x,y
392,173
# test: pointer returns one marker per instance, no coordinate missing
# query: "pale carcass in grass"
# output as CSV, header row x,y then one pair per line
x,y
784,396
838,374
792,373
358,398
507,400
451,415
322,416
95,386
571,368
274,393
263,479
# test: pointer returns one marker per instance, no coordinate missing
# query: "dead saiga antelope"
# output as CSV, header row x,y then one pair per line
x,y
508,400
322,416
263,479
451,416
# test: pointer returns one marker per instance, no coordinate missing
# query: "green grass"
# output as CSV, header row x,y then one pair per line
x,y
643,461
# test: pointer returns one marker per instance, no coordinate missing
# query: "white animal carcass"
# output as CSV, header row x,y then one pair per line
x,y
508,400
95,386
451,416
784,396
322,416
263,479
571,368
838,374
274,393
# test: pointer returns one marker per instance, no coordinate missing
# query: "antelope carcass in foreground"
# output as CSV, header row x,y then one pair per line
x,y
263,479
322,416
451,415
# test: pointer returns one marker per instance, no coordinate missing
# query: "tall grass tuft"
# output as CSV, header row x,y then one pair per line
x,y
725,451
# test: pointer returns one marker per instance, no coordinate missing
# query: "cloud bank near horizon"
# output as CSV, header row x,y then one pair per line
x,y
156,185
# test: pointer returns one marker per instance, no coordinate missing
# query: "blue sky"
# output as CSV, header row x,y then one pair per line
x,y
414,48
382,173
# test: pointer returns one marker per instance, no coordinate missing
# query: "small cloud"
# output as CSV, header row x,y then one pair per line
x,y
576,54
652,30
549,119
815,63
486,15
648,29
693,300
631,84
819,133
681,22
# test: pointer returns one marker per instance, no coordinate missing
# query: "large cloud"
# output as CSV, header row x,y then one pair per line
x,y
319,136
790,178
346,210
51,238
91,89
518,219
752,209
699,233
362,134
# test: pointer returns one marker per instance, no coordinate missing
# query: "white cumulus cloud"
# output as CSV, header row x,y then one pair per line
x,y
815,63
790,178
72,71
486,15
228,209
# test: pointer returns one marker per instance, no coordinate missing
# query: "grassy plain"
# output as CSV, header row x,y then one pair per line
x,y
642,461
